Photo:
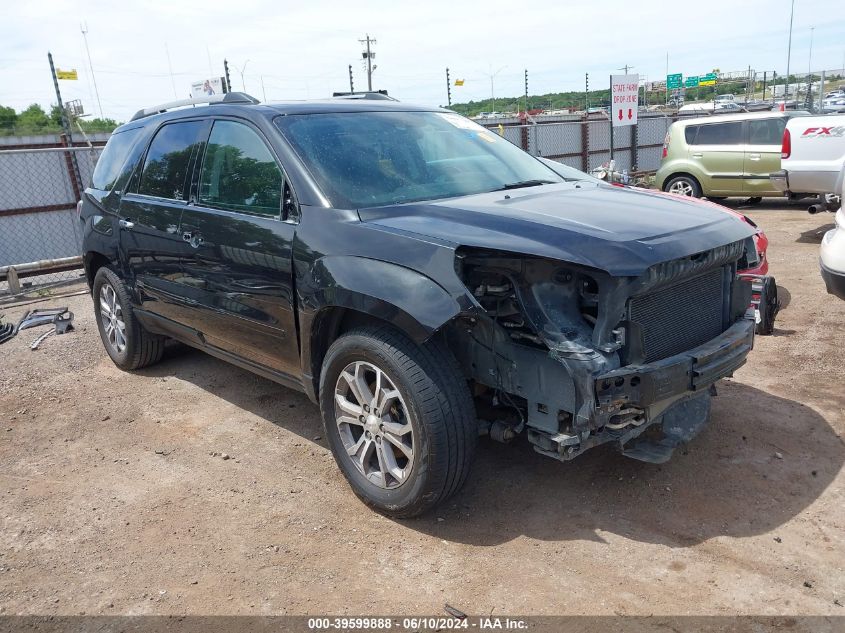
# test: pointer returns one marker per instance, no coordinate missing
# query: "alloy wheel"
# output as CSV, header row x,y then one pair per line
x,y
111,317
373,424
681,188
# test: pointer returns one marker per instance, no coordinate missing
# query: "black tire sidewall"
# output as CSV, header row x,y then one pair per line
x,y
696,188
121,359
357,347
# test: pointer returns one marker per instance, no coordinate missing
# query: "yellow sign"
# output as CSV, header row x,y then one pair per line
x,y
67,74
459,82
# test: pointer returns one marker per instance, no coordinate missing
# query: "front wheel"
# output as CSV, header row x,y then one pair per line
x,y
399,420
683,186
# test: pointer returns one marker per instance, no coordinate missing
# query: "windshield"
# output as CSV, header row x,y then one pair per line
x,y
370,159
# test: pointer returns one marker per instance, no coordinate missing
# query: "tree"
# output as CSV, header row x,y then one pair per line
x,y
8,118
33,119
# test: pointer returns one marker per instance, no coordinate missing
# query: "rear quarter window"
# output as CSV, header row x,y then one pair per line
x,y
111,161
689,134
728,133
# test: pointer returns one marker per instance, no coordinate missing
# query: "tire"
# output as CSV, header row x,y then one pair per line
x,y
769,307
139,348
427,407
683,186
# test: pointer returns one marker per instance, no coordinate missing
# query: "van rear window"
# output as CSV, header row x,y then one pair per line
x,y
111,161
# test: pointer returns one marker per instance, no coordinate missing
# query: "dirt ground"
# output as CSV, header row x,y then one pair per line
x,y
115,499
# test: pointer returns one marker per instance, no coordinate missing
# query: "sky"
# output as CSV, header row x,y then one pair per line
x,y
145,53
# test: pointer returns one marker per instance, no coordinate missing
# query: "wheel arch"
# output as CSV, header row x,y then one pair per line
x,y
358,291
92,262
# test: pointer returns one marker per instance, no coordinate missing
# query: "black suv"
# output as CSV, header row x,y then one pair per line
x,y
421,278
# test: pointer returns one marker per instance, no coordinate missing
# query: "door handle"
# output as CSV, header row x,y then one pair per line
x,y
126,224
697,155
754,156
194,238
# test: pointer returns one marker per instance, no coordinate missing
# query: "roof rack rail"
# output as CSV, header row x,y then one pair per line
x,y
229,97
366,94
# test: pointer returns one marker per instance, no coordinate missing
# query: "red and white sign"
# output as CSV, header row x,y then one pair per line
x,y
624,99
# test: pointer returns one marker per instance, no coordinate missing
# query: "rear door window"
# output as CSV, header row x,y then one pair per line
x,y
111,161
766,131
168,160
728,133
239,173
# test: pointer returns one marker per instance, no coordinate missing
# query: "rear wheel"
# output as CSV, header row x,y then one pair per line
x,y
683,186
398,418
128,344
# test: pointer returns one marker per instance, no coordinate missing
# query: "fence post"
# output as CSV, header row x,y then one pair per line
x,y
523,136
585,143
635,145
72,173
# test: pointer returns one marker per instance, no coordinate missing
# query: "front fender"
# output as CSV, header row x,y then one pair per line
x,y
409,300
413,302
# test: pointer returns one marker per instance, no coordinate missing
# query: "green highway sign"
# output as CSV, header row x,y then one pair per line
x,y
707,80
674,81
691,82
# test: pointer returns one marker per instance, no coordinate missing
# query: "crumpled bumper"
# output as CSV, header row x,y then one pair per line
x,y
690,371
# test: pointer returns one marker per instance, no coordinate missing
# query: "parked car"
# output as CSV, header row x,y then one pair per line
x,y
832,253
420,278
812,157
724,156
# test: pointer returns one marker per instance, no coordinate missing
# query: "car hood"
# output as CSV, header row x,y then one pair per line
x,y
619,230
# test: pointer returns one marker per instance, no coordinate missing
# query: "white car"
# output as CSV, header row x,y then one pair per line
x,y
832,257
812,156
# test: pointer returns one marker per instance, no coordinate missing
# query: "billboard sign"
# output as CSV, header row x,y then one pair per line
x,y
207,87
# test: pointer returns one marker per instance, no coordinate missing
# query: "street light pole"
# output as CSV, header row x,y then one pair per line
x,y
789,53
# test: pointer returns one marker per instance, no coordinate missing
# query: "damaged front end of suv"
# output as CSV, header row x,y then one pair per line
x,y
577,356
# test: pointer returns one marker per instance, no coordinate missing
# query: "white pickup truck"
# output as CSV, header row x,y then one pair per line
x,y
812,158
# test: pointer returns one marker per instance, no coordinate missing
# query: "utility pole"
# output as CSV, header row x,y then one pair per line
x,y
526,92
84,28
263,93
351,83
789,53
448,89
369,55
228,86
810,72
65,123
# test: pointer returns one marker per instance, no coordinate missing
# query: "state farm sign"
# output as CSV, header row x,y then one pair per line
x,y
624,97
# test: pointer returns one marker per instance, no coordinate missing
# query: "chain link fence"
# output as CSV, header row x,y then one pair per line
x,y
40,234
583,141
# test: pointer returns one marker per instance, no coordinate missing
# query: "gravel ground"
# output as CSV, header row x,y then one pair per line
x,y
115,498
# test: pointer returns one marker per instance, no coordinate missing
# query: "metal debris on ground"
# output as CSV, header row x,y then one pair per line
x,y
455,613
34,345
7,331
61,317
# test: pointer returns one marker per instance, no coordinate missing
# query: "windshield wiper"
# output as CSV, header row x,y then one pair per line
x,y
524,183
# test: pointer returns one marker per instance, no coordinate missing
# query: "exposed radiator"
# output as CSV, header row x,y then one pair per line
x,y
681,316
